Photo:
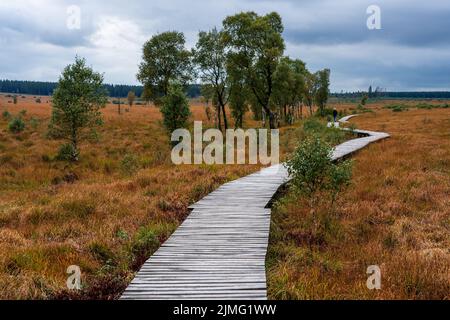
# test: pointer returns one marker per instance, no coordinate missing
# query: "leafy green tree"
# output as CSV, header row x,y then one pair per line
x,y
175,108
322,89
239,94
310,90
256,47
165,59
299,73
77,101
146,95
131,97
238,103
288,87
283,88
210,55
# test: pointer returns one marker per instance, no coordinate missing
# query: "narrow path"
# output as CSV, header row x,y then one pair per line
x,y
219,251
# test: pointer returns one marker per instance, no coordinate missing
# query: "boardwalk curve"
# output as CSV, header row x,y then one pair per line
x,y
219,251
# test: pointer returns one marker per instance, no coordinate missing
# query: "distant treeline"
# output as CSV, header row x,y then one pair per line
x,y
397,95
46,88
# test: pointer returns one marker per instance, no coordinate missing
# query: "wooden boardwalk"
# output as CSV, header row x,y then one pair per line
x,y
219,251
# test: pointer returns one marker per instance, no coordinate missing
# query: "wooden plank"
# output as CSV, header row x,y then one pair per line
x,y
219,252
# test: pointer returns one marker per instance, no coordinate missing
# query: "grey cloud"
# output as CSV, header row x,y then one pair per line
x,y
411,51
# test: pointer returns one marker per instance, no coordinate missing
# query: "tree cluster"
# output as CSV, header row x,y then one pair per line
x,y
242,65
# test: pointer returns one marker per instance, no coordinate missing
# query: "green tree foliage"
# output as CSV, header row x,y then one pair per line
x,y
210,55
256,47
165,59
238,106
310,90
175,108
239,95
76,104
322,90
314,174
131,97
289,83
146,95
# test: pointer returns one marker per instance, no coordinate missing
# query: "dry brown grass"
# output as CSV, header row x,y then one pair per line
x,y
107,221
92,214
395,215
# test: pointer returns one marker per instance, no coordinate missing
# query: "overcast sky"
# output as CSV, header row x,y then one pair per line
x,y
410,52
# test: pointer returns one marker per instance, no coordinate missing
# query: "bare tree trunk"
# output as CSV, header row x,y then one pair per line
x,y
225,122
219,120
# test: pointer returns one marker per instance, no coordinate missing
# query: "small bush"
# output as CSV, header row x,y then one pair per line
x,y
67,153
397,108
144,244
17,125
23,113
129,164
314,174
102,253
175,109
6,115
313,125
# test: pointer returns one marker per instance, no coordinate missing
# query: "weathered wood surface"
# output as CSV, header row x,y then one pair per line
x,y
219,251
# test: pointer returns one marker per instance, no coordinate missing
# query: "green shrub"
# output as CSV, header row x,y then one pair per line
x,y
143,246
397,108
6,115
175,109
23,113
329,112
129,164
102,253
16,125
313,125
314,174
66,152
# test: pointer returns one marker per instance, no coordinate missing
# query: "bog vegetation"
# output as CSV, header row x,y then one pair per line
x,y
89,182
394,215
